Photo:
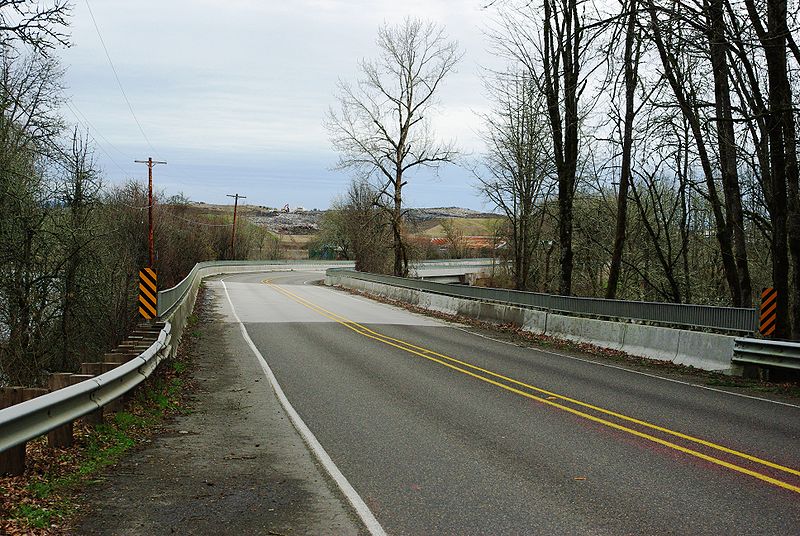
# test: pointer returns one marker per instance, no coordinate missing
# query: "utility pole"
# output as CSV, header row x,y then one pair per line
x,y
150,163
233,235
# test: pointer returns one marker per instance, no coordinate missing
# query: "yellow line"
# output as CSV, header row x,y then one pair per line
x,y
410,348
621,416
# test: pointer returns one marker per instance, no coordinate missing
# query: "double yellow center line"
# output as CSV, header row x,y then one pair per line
x,y
556,400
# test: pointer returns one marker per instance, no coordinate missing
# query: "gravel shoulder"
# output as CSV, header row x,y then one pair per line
x,y
233,465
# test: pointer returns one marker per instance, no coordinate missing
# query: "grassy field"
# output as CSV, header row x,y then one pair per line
x,y
468,226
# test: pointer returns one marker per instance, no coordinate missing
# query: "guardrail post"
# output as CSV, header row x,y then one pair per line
x,y
62,436
93,417
96,369
12,461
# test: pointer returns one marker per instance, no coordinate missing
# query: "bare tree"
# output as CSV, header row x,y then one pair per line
x,y
552,44
77,231
456,244
382,129
631,58
686,95
517,164
38,24
784,185
367,228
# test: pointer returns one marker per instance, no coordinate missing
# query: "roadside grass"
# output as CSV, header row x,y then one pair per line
x,y
42,500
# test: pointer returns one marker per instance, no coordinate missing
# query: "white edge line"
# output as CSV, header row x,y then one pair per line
x,y
361,508
617,367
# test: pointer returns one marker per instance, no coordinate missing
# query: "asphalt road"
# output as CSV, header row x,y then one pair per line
x,y
444,431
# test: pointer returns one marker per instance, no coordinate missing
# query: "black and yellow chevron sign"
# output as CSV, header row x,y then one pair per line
x,y
148,293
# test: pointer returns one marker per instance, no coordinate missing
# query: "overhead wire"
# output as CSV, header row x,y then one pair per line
x,y
84,122
77,111
119,82
89,127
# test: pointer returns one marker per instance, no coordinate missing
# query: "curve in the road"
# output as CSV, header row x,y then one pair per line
x,y
462,366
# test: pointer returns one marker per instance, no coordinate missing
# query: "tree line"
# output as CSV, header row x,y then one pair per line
x,y
71,245
641,149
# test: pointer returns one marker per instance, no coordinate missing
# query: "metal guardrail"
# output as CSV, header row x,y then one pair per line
x,y
36,417
731,319
27,420
168,298
766,353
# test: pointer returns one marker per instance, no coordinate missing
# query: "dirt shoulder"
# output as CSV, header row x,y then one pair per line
x,y
234,464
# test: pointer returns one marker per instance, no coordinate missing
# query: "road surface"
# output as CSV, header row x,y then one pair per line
x,y
440,430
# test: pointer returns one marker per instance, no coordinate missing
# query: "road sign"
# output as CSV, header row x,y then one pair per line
x,y
769,311
148,294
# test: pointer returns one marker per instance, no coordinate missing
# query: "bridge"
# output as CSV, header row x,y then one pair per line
x,y
386,420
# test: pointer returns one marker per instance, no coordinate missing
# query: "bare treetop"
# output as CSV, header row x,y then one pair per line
x,y
383,123
40,24
382,127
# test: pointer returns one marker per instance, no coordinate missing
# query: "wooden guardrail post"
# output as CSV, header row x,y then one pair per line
x,y
96,369
62,436
96,416
12,461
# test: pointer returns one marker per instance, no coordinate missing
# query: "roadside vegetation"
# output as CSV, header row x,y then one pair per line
x,y
71,245
47,496
642,150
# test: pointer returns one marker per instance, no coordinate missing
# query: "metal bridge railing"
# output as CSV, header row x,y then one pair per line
x,y
167,299
731,319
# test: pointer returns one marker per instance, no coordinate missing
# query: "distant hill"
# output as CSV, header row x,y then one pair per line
x,y
306,222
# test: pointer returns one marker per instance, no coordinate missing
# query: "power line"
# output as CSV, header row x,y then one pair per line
x,y
116,76
98,144
74,108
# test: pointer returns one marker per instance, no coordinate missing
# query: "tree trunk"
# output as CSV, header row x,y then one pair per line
x,y
723,231
631,71
779,105
727,146
781,141
400,255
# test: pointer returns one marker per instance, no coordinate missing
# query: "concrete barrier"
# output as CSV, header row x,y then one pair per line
x,y
705,351
599,332
651,341
498,313
534,321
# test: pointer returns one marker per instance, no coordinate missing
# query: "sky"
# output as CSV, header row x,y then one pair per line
x,y
233,94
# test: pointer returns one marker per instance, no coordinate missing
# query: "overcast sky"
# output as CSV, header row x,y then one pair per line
x,y
232,94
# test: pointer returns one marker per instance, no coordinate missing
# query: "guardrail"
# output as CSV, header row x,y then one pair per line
x,y
766,353
33,418
730,319
22,422
167,299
